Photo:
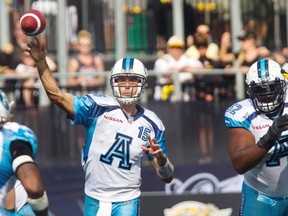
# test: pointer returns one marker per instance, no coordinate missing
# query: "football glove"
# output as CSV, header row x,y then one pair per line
x,y
274,132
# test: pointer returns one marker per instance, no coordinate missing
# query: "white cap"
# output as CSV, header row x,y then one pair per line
x,y
175,41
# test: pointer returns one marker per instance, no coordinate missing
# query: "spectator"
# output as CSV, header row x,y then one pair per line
x,y
28,88
201,44
249,52
174,61
226,55
208,86
86,61
11,54
212,49
4,68
284,52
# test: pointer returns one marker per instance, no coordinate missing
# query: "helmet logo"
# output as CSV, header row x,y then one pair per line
x,y
127,64
262,66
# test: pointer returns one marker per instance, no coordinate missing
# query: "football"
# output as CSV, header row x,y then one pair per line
x,y
32,22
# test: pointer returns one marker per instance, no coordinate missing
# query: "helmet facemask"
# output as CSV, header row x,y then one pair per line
x,y
5,109
117,85
267,96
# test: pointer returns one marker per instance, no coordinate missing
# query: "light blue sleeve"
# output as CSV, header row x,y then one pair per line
x,y
25,134
239,116
10,133
84,109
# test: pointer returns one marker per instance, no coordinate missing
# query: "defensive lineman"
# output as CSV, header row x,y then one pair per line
x,y
258,144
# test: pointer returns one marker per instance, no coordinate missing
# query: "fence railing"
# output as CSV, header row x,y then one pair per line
x,y
62,77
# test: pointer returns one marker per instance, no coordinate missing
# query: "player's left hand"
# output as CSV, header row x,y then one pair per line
x,y
153,148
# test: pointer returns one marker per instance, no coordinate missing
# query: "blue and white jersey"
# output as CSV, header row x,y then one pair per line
x,y
10,132
271,174
112,154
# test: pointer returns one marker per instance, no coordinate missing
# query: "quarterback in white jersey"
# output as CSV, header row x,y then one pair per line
x,y
258,137
18,148
112,152
118,134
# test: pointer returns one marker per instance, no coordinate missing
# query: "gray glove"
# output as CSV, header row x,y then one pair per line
x,y
274,132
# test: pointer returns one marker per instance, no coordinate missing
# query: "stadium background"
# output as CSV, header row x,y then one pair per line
x,y
189,125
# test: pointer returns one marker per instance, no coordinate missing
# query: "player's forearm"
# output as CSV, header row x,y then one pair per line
x,y
165,171
161,159
245,159
48,81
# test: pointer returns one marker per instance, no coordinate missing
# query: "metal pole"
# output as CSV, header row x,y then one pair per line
x,y
120,30
287,23
27,5
236,23
277,38
177,87
239,85
4,24
178,19
62,51
85,10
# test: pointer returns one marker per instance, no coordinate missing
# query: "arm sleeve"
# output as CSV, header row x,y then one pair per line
x,y
20,147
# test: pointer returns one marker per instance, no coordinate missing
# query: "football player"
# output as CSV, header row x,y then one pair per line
x,y
18,147
119,133
258,137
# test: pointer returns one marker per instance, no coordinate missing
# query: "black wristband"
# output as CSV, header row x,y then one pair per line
x,y
266,142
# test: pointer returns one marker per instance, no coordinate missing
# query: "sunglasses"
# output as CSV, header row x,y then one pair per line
x,y
84,43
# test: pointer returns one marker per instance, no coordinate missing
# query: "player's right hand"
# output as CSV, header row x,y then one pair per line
x,y
279,125
36,49
274,132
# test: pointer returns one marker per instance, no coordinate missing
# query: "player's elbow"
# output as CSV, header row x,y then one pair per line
x,y
56,97
240,169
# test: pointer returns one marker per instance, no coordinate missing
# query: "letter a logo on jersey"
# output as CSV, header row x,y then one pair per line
x,y
119,149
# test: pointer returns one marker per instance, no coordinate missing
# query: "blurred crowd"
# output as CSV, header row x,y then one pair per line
x,y
198,53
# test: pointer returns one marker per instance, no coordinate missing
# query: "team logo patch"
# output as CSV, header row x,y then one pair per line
x,y
194,208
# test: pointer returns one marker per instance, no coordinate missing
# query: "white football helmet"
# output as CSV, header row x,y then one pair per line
x,y
266,86
5,108
131,67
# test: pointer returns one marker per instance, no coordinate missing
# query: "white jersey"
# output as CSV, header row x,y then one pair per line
x,y
21,196
166,62
271,174
112,154
10,132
